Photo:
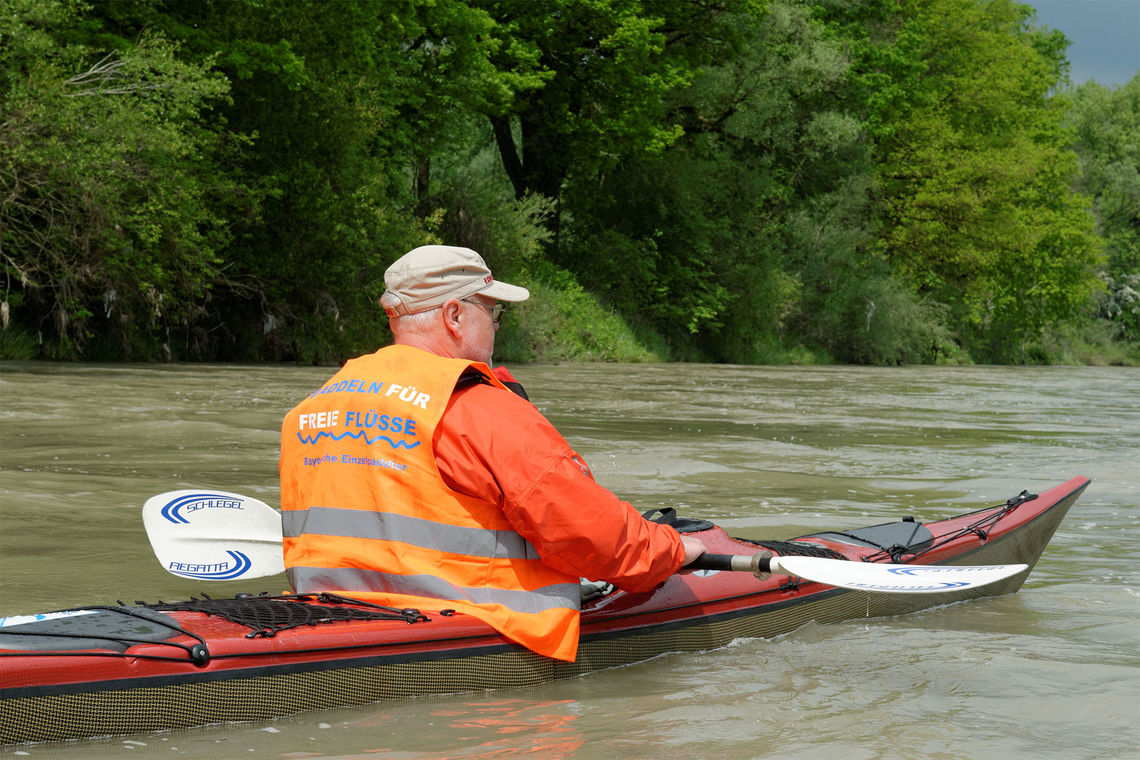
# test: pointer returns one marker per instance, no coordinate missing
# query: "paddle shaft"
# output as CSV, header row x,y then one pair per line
x,y
759,564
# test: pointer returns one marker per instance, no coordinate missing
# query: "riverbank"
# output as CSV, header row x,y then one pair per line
x,y
563,322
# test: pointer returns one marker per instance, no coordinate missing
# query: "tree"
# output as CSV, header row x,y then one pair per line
x,y
974,168
108,220
600,72
1106,124
228,179
705,238
345,105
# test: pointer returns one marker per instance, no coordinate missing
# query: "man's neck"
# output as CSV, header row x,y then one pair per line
x,y
430,344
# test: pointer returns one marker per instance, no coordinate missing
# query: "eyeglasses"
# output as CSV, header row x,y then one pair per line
x,y
497,310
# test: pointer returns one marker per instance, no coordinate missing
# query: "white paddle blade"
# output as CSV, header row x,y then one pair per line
x,y
213,535
894,579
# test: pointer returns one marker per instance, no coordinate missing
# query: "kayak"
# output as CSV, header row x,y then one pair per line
x,y
118,669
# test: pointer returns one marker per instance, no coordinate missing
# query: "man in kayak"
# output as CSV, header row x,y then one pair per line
x,y
415,478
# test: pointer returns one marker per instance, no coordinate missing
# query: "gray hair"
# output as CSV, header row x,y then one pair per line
x,y
421,321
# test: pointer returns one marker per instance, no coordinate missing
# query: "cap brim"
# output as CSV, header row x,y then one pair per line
x,y
501,291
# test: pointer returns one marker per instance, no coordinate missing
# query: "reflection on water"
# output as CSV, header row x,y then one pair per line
x,y
766,452
482,729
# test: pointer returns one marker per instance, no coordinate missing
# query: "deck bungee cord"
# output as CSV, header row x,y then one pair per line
x,y
268,615
265,615
981,529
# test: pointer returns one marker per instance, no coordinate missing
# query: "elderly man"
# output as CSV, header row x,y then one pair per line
x,y
415,478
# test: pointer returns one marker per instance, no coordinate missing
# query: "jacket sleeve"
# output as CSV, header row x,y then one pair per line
x,y
495,445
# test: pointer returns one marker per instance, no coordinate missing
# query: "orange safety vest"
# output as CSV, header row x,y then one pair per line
x,y
366,513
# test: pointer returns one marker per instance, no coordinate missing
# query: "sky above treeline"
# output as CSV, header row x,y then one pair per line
x,y
1104,37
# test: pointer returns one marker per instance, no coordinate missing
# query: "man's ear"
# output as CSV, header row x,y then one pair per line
x,y
452,313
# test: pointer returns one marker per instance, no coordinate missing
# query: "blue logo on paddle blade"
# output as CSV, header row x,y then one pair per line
x,y
932,587
173,511
933,570
214,571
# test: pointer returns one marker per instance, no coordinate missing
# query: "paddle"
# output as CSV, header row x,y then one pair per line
x,y
216,535
864,576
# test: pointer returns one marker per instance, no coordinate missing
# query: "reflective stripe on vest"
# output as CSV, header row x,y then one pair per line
x,y
352,579
426,534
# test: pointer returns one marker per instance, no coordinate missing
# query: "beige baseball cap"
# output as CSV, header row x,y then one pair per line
x,y
426,277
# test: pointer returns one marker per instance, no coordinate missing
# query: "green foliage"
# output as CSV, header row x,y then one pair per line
x,y
695,238
563,322
17,343
1106,125
1094,343
596,75
975,172
883,182
850,302
108,170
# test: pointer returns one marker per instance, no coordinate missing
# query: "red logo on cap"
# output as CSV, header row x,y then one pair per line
x,y
488,279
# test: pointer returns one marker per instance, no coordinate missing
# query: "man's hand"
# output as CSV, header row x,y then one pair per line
x,y
694,548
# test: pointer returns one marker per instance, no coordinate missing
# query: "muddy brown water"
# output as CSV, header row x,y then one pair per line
x,y
1050,672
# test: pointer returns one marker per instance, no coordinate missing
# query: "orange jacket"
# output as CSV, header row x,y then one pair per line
x,y
398,490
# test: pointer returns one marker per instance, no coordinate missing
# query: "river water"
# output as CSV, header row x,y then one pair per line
x,y
1050,672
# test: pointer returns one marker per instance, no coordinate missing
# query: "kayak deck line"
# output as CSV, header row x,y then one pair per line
x,y
981,528
107,689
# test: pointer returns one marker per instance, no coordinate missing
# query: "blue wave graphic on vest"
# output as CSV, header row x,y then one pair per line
x,y
310,440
